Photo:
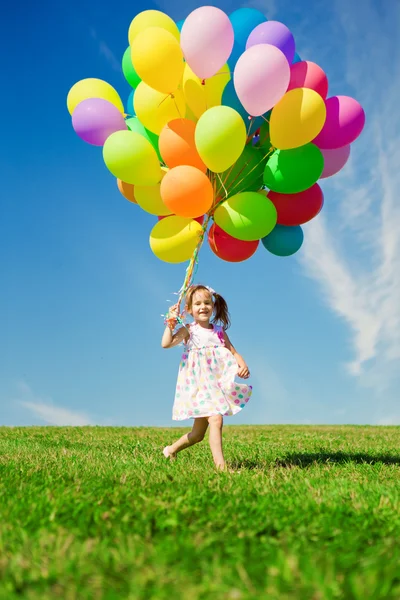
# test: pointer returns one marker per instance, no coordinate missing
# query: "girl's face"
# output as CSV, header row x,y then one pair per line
x,y
202,306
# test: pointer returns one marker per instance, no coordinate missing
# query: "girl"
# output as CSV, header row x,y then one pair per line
x,y
206,389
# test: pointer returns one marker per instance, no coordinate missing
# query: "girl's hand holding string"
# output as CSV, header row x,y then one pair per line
x,y
243,371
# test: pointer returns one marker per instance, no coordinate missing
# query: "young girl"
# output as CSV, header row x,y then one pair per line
x,y
206,389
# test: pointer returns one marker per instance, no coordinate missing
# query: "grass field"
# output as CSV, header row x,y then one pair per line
x,y
310,513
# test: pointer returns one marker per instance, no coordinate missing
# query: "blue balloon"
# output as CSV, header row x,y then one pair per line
x,y
283,240
180,24
296,59
230,98
129,104
243,20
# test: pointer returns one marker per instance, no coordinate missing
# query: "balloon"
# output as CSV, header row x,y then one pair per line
x,y
293,171
187,192
94,120
246,174
230,98
264,138
243,20
174,239
177,145
296,209
334,160
220,137
198,219
284,241
149,198
155,109
127,190
306,74
207,40
135,125
202,95
229,248
129,104
130,157
276,34
180,24
92,88
296,58
261,78
247,216
345,120
158,60
297,118
129,70
151,18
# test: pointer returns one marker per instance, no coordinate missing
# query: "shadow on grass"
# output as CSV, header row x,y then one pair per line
x,y
308,459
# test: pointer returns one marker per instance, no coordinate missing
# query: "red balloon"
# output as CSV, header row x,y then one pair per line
x,y
229,248
296,209
306,74
198,219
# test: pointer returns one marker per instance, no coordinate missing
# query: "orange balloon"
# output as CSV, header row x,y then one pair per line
x,y
187,192
177,146
127,190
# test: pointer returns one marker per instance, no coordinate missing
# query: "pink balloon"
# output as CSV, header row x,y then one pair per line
x,y
261,77
207,40
306,74
345,120
334,160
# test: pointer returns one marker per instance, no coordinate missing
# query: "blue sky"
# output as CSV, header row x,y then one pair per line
x,y
81,293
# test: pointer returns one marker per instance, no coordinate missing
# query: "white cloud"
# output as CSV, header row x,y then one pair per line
x,y
47,411
106,52
355,259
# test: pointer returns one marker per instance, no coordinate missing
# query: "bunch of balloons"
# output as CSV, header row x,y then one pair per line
x,y
225,126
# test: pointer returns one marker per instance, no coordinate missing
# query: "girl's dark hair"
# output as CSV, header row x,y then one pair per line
x,y
220,306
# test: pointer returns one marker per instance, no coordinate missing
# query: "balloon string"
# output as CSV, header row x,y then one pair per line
x,y
255,167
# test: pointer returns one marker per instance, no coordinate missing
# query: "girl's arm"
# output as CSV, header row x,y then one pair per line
x,y
170,339
243,369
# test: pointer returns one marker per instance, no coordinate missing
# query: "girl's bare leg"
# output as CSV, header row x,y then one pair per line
x,y
188,439
216,422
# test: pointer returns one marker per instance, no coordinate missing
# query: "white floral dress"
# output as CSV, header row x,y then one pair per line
x,y
206,383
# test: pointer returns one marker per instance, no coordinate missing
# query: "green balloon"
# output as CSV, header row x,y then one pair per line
x,y
246,174
295,170
129,70
135,125
264,141
247,216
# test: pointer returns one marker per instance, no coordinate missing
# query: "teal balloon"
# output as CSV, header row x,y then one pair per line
x,y
284,241
243,20
246,175
296,59
129,104
135,125
180,24
295,170
230,98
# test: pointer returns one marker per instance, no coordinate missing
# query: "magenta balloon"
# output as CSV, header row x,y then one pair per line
x,y
276,34
207,40
261,78
334,160
345,120
95,119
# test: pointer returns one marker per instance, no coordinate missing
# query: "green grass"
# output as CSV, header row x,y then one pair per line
x,y
312,513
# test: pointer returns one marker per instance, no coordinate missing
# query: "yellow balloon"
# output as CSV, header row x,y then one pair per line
x,y
149,198
190,115
220,137
152,18
174,239
93,88
155,109
201,96
158,60
297,118
131,158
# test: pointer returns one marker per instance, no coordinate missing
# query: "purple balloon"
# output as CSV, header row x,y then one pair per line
x,y
95,119
345,120
276,34
334,160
